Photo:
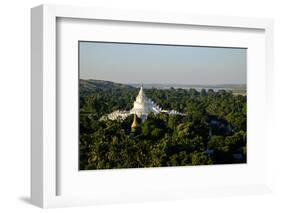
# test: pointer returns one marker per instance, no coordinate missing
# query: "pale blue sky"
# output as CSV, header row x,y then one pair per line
x,y
143,63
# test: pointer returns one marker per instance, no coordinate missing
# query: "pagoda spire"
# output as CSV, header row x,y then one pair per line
x,y
141,88
135,123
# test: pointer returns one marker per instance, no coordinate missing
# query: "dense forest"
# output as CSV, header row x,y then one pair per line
x,y
211,131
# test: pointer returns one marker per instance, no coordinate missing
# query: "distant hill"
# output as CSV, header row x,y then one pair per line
x,y
89,86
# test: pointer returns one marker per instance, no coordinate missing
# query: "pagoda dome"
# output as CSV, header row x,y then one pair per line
x,y
143,105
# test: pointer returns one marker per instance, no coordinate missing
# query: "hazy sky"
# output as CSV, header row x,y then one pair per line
x,y
136,63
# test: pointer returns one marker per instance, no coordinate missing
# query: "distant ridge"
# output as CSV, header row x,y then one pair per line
x,y
89,86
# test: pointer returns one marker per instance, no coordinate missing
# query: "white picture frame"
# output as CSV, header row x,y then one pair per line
x,y
44,150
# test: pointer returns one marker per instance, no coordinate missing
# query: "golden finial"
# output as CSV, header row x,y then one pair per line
x,y
134,124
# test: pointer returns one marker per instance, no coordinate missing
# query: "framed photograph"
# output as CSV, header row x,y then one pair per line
x,y
129,106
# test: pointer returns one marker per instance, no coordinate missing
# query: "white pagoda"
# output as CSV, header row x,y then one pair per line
x,y
142,107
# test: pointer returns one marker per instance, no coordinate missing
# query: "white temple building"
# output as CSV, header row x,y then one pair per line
x,y
142,107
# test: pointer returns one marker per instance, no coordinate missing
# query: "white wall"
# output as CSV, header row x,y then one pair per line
x,y
15,115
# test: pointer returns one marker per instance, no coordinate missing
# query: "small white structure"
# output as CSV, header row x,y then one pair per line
x,y
142,107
